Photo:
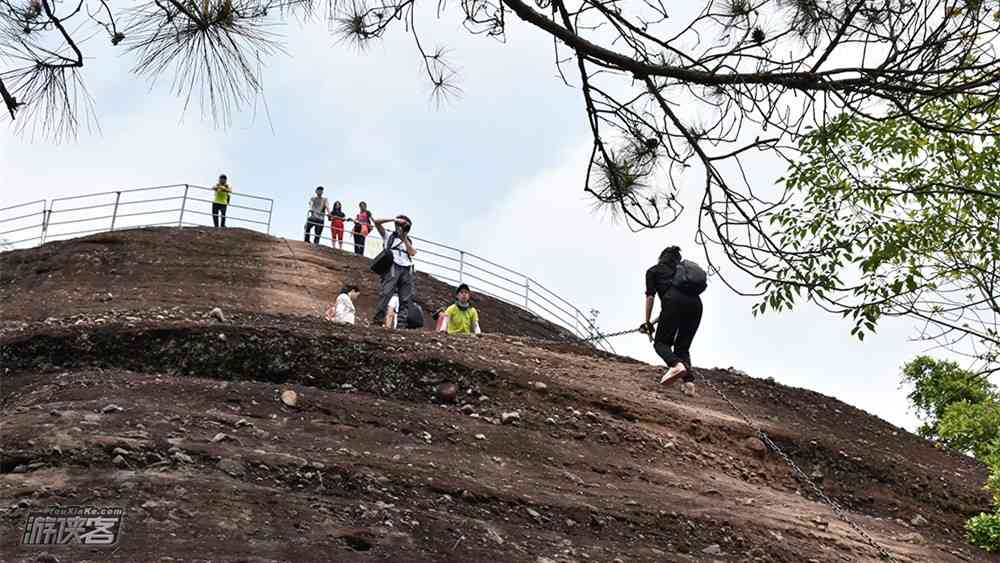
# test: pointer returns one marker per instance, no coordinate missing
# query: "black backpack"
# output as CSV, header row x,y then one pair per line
x,y
382,263
689,278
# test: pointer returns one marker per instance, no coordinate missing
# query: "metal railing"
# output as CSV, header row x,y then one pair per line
x,y
455,266
171,205
187,205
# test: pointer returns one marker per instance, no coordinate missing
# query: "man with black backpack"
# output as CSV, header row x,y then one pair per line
x,y
395,266
678,283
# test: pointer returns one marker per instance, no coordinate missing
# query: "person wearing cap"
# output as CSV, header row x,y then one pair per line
x,y
461,317
223,191
319,207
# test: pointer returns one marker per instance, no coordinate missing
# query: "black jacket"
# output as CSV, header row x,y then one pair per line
x,y
660,279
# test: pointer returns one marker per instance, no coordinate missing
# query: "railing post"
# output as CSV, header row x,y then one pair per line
x,y
270,209
114,214
180,222
461,264
527,288
46,217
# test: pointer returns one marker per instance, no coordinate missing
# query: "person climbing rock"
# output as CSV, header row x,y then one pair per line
x,y
679,284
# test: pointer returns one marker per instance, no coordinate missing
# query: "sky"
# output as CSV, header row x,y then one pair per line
x,y
498,172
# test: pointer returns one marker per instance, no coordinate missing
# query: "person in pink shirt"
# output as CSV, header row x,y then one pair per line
x,y
362,226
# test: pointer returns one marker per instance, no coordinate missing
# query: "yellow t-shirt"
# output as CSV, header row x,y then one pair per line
x,y
222,193
461,321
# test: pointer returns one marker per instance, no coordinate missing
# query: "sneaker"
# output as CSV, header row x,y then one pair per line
x,y
672,374
689,389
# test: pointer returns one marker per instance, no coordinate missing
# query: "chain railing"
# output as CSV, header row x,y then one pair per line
x,y
188,205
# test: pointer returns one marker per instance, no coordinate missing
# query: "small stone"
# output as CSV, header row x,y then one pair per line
x,y
55,413
480,436
120,451
46,558
914,538
754,444
510,417
534,514
289,397
689,389
222,337
447,392
713,549
119,461
592,416
919,521
111,408
183,457
220,437
468,409
242,422
216,313
20,469
231,467
539,386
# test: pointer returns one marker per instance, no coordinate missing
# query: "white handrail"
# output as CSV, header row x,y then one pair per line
x,y
490,278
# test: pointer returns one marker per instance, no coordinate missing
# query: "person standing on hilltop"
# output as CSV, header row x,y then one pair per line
x,y
319,206
362,225
399,278
337,226
679,284
223,191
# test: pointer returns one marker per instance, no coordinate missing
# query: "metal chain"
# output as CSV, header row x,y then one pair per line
x,y
603,336
883,553
600,336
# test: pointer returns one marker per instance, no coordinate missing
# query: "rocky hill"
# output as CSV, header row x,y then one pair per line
x,y
119,388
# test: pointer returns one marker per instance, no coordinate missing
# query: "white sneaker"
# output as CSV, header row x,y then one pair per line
x,y
672,374
689,389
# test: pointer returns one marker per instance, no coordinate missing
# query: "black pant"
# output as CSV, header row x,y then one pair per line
x,y
399,281
316,224
680,316
219,214
359,244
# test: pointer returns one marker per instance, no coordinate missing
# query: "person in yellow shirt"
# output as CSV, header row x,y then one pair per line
x,y
461,317
222,193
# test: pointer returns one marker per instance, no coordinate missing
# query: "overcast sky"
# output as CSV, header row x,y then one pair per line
x,y
498,172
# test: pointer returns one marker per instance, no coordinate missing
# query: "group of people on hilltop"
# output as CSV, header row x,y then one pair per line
x,y
396,307
677,282
461,317
320,210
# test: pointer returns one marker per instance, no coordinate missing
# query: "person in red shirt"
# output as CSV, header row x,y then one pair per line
x,y
337,226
